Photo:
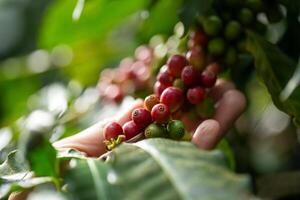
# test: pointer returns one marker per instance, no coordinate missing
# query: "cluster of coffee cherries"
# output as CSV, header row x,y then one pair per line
x,y
131,76
151,121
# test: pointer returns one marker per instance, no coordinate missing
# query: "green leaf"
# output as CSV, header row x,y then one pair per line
x,y
275,69
13,164
9,186
157,169
192,9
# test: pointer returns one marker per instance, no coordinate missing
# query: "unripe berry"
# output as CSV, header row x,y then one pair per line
x,y
196,58
246,16
151,101
230,57
190,76
208,79
112,130
131,129
160,113
216,46
206,108
172,97
165,78
179,83
232,30
141,117
159,88
155,130
175,65
212,25
176,129
196,95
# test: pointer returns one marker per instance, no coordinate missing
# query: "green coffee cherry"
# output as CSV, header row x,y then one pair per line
x,y
255,5
179,83
230,57
246,16
212,25
206,108
155,130
232,30
216,46
176,129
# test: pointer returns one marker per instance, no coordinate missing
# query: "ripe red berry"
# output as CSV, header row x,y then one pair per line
x,y
113,93
196,58
175,65
143,53
214,68
172,97
142,117
208,79
165,78
160,113
159,88
196,95
131,129
190,75
197,39
112,130
151,101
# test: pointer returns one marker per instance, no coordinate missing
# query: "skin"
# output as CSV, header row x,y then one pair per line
x,y
229,105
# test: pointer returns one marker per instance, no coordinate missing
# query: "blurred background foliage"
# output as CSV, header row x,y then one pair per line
x,y
50,64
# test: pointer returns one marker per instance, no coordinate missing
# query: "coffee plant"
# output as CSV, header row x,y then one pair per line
x,y
151,156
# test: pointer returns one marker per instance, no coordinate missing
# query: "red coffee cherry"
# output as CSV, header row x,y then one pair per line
x,y
159,88
196,57
112,130
197,39
196,95
190,75
175,65
172,97
165,78
160,113
141,117
208,79
131,129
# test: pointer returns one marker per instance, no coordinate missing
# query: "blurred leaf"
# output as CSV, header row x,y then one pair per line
x,y
41,155
156,24
69,154
157,169
225,147
98,19
78,9
12,165
9,186
192,9
275,69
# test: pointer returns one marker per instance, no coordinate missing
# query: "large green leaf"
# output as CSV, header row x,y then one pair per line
x,y
156,169
275,69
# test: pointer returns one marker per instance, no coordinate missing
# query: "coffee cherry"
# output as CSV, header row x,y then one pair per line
x,y
155,130
165,78
113,93
160,113
214,68
143,53
216,46
196,95
175,129
196,58
175,65
142,117
208,79
230,57
206,108
189,75
232,30
197,39
246,16
112,130
212,26
159,88
172,97
179,83
151,101
131,129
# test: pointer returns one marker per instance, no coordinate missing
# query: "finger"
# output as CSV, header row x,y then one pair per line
x,y
90,140
220,88
18,195
229,108
207,134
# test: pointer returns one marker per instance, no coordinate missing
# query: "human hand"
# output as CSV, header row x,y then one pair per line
x,y
230,103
